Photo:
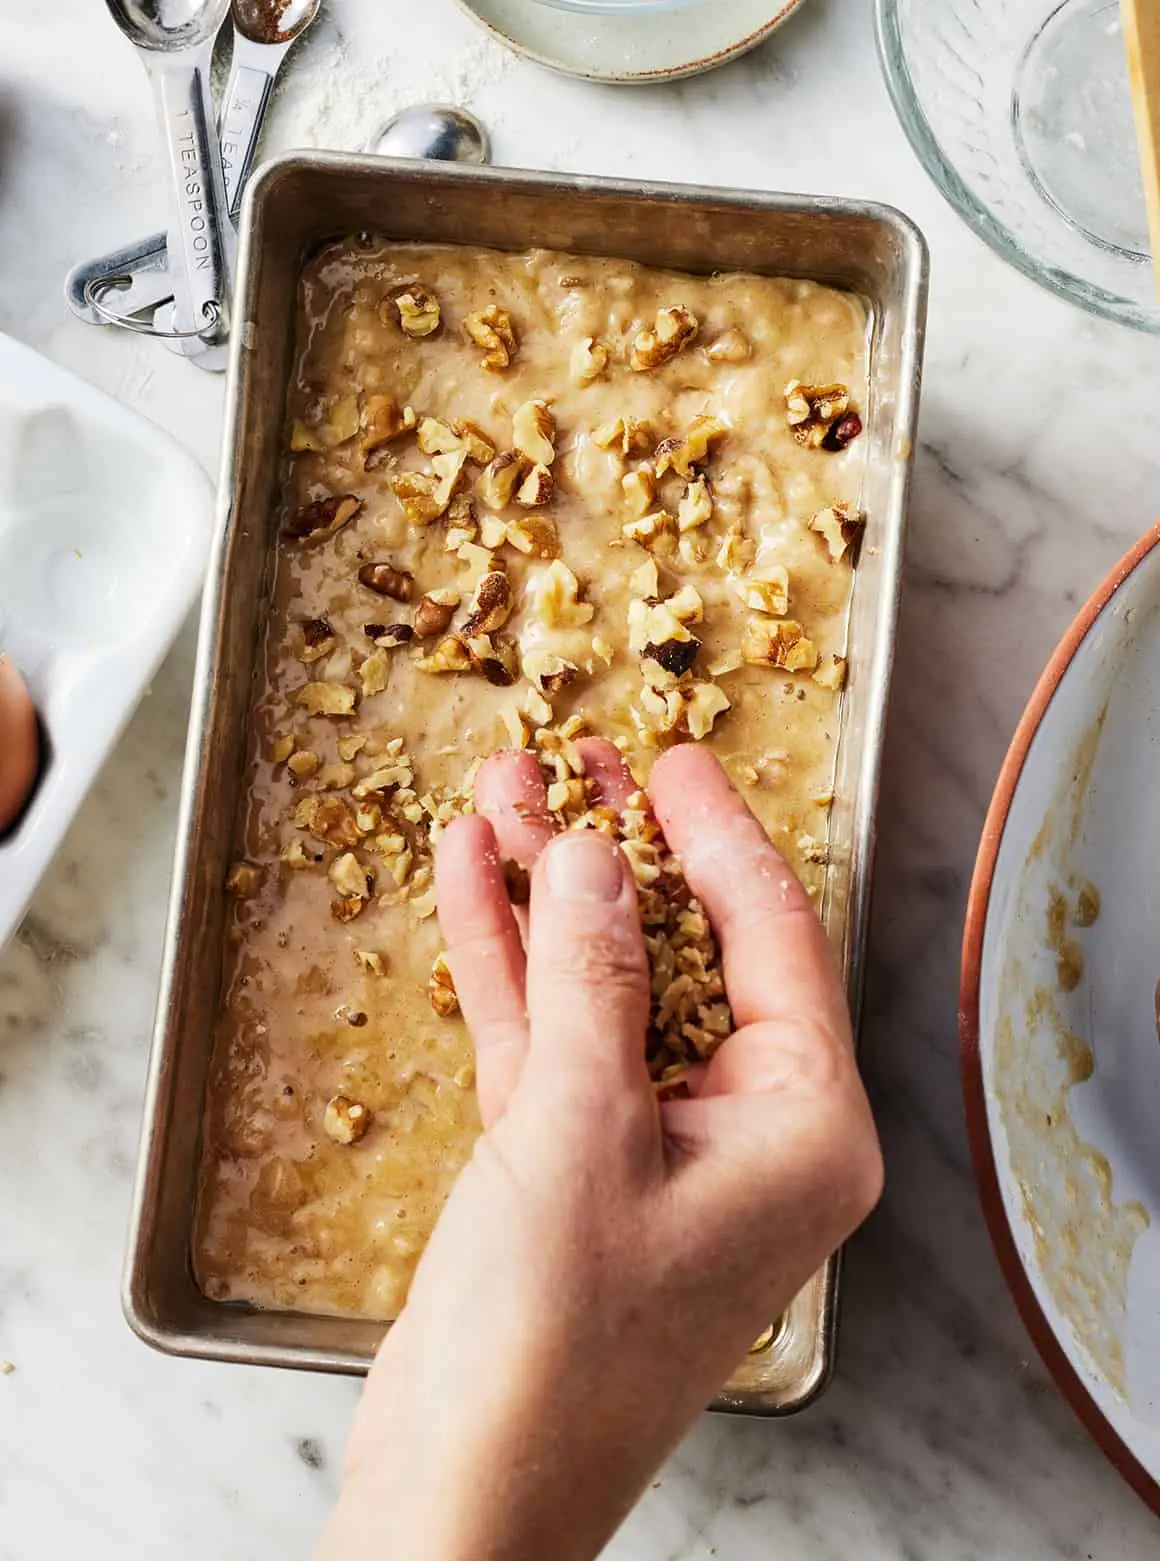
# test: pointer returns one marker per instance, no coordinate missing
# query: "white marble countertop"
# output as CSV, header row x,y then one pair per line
x,y
942,1437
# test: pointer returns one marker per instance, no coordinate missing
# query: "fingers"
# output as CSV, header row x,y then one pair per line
x,y
486,957
510,793
588,982
778,964
604,762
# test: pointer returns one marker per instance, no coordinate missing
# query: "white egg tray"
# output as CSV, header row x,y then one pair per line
x,y
105,526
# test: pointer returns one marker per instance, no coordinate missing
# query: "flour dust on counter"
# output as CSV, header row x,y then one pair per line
x,y
527,498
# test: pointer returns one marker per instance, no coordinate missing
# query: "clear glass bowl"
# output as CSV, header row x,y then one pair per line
x,y
1020,112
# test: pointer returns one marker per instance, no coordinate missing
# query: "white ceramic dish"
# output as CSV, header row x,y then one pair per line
x,y
631,49
104,534
1060,1012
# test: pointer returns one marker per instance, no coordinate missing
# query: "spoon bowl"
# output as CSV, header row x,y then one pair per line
x,y
165,26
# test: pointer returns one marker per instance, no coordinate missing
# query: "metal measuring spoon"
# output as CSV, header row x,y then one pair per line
x,y
174,40
438,131
138,276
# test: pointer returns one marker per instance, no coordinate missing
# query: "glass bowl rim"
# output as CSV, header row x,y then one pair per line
x,y
925,145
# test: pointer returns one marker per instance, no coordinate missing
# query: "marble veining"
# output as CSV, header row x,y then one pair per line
x,y
942,1438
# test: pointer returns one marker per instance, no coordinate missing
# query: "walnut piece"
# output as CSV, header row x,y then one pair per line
x,y
536,488
425,496
317,522
683,456
450,655
782,643
244,880
696,506
336,421
554,597
765,590
639,489
439,438
418,311
673,329
549,672
839,527
656,532
478,446
375,672
589,360
831,673
495,656
441,988
820,415
627,434
434,612
370,962
345,1120
325,699
704,704
388,635
497,482
317,640
383,421
534,432
534,535
350,877
492,329
303,764
490,605
385,580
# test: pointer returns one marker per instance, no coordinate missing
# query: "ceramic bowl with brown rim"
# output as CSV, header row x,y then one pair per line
x,y
1059,1017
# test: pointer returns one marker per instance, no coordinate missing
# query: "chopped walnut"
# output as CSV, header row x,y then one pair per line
x,y
332,699
686,605
696,506
350,877
375,672
441,988
778,643
318,522
350,747
282,749
492,329
425,496
498,481
730,347
627,434
345,1120
674,657
336,776
495,656
418,311
328,819
518,729
831,673
244,880
450,655
492,532
589,360
303,764
839,527
534,432
639,489
813,413
656,531
478,446
704,704
434,612
383,421
536,707
317,640
765,590
653,624
548,671
673,329
371,962
646,581
388,635
554,597
337,421
535,535
683,456
490,605
386,580
439,438
536,488
736,551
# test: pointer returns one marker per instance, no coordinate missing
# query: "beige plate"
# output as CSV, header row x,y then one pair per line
x,y
632,49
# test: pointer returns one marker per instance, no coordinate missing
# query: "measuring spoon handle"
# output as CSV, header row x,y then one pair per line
x,y
251,82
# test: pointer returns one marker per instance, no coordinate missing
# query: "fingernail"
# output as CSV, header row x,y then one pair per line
x,y
584,867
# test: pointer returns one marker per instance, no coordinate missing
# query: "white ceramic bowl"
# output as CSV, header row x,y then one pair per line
x,y
1059,1017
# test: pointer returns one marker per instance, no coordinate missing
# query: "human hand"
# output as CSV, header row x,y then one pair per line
x,y
604,1260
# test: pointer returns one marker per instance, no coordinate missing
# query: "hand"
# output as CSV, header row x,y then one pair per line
x,y
604,1261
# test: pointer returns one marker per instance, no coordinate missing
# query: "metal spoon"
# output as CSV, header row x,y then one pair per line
x,y
174,39
140,272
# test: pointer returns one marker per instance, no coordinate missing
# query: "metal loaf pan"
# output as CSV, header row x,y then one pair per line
x,y
297,203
